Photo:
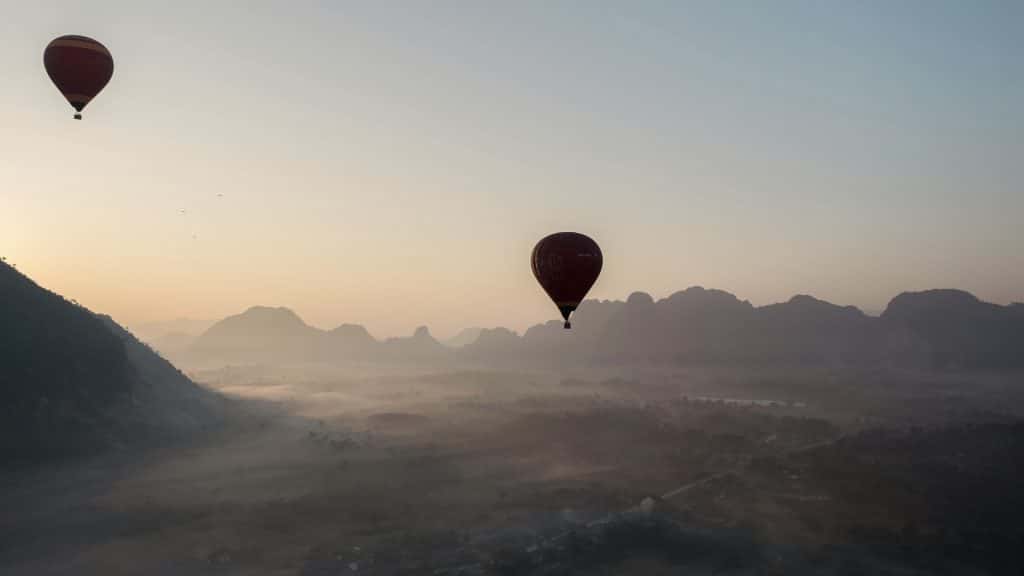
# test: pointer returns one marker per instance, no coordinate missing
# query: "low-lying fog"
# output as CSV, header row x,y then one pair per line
x,y
324,470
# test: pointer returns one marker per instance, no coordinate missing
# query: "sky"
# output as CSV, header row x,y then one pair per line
x,y
393,163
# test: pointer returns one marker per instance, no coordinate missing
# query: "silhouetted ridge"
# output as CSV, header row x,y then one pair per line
x,y
959,331
260,334
262,317
697,300
495,344
75,381
352,331
806,330
935,329
265,335
909,304
465,337
639,300
162,396
499,335
421,346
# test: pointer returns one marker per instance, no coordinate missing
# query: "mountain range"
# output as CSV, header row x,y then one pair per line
x,y
74,380
268,335
934,329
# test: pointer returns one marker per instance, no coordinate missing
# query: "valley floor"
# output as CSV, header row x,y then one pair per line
x,y
506,473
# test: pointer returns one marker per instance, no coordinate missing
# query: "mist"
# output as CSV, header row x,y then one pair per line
x,y
511,289
695,433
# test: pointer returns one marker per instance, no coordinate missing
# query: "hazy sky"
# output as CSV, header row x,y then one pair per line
x,y
392,164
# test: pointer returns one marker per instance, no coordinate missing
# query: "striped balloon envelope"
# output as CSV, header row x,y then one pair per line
x,y
80,67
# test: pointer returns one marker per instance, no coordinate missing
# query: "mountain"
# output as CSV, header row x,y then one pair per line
x,y
162,396
350,341
74,381
266,335
171,344
693,325
939,329
805,330
714,325
550,343
259,335
173,337
634,332
495,339
958,331
421,346
464,337
494,345
147,331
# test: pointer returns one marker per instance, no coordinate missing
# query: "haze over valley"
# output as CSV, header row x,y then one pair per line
x,y
520,288
652,438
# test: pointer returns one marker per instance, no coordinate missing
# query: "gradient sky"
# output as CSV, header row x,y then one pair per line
x,y
392,164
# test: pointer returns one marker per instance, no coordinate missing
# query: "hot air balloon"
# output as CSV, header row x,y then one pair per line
x,y
566,264
80,67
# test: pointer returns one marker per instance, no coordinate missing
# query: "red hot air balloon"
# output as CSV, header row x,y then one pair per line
x,y
80,67
566,264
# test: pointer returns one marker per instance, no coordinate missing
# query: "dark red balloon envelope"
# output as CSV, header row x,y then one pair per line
x,y
566,264
80,67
